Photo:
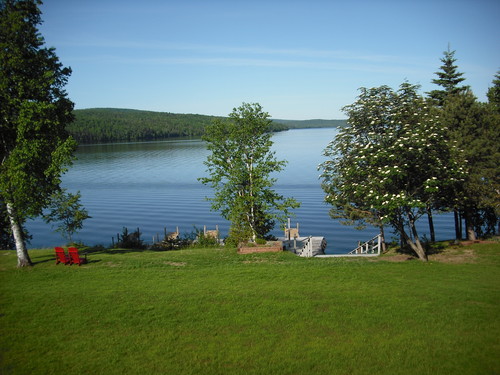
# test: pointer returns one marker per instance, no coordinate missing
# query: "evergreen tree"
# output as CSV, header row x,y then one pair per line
x,y
494,93
34,111
473,127
448,78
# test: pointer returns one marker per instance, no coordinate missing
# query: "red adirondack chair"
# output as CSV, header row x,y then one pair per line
x,y
75,257
61,256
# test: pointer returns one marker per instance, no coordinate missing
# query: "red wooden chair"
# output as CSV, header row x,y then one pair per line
x,y
75,257
61,256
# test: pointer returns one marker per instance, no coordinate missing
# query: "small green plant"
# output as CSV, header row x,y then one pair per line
x,y
172,244
129,240
204,240
260,241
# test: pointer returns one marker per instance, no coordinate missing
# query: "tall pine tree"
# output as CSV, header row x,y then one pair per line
x,y
494,93
448,78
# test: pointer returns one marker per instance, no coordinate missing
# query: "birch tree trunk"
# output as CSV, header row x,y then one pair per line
x,y
23,258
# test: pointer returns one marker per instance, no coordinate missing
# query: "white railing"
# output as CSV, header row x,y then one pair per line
x,y
307,248
372,246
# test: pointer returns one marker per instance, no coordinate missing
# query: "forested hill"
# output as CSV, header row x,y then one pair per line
x,y
305,124
100,125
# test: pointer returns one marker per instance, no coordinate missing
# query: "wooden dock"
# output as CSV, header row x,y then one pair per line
x,y
314,246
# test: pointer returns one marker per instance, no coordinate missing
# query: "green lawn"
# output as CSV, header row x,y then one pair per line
x,y
212,311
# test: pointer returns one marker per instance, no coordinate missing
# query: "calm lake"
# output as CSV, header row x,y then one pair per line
x,y
152,185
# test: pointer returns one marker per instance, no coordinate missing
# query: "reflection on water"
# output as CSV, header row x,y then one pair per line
x,y
153,185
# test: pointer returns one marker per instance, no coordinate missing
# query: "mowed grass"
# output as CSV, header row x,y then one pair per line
x,y
212,311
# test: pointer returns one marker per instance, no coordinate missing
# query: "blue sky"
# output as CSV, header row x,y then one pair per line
x,y
298,59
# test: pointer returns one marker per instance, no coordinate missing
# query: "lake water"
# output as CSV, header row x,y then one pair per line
x,y
152,185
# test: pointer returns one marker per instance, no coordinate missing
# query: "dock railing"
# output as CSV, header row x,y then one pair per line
x,y
307,249
372,246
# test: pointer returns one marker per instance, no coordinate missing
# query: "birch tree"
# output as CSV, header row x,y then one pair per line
x,y
34,110
239,168
390,163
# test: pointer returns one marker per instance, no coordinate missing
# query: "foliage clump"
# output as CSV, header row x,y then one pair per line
x,y
65,208
239,168
129,240
35,147
391,163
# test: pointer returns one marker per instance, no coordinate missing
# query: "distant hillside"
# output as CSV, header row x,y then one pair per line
x,y
111,125
101,125
317,123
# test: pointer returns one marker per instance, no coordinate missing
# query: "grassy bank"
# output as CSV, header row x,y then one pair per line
x,y
212,311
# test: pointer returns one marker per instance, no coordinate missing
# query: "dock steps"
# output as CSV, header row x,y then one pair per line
x,y
305,246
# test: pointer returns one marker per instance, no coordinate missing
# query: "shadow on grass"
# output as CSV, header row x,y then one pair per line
x,y
431,248
43,261
89,261
102,250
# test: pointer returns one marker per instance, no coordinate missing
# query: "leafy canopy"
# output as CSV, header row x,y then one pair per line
x,y
34,110
240,165
391,162
66,210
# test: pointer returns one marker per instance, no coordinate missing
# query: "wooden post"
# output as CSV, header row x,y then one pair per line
x,y
379,240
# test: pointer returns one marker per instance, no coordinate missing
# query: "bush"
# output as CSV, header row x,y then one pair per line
x,y
129,240
203,240
260,241
171,244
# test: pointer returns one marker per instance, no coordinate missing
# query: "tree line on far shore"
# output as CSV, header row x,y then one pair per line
x,y
102,125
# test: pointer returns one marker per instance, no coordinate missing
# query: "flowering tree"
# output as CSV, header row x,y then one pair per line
x,y
390,163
